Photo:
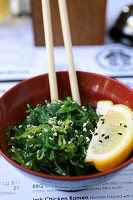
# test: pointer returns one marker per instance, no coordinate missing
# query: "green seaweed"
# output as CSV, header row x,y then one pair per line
x,y
54,138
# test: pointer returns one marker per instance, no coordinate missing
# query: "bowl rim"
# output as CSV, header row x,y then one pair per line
x,y
65,178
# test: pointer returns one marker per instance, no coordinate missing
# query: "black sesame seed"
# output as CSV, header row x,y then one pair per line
x,y
70,123
119,133
102,135
120,124
101,115
102,119
95,133
100,141
47,123
87,126
125,126
60,133
61,140
102,122
35,136
107,137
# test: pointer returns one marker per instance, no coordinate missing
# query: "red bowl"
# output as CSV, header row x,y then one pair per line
x,y
93,87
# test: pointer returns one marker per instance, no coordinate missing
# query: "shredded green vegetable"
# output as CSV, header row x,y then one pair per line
x,y
54,138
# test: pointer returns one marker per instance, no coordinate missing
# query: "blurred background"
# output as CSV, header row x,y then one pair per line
x,y
107,10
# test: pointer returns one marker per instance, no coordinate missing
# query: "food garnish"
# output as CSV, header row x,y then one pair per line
x,y
67,139
112,141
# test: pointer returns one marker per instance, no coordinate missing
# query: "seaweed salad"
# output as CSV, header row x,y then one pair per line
x,y
54,138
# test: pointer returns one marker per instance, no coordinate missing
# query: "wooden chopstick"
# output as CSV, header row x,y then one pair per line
x,y
49,46
68,47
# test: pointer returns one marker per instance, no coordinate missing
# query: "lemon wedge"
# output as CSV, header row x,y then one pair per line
x,y
112,141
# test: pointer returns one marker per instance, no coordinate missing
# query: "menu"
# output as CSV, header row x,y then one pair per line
x,y
25,61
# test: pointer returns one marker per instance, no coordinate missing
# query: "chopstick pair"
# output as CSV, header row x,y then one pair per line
x,y
68,46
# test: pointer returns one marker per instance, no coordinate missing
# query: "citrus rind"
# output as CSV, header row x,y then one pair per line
x,y
117,144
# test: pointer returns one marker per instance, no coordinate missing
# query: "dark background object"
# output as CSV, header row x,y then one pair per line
x,y
87,22
122,31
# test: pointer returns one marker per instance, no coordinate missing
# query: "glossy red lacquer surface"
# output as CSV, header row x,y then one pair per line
x,y
93,87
